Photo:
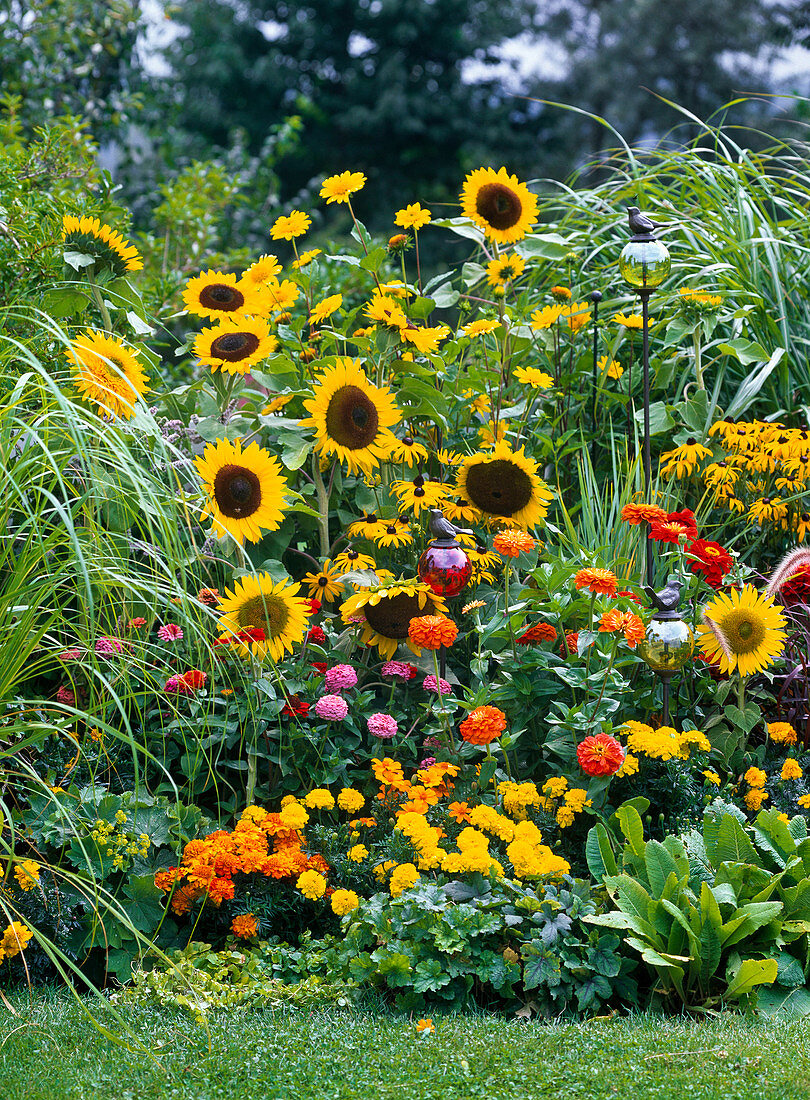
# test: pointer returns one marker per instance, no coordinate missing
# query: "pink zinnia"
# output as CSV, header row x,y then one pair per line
x,y
340,678
431,743
332,707
428,762
177,685
383,726
398,670
72,654
430,684
66,696
105,647
171,632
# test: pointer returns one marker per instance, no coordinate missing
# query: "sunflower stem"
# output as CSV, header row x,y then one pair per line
x,y
323,503
102,307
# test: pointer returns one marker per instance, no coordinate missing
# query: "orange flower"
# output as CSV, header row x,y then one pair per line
x,y
432,631
512,542
600,755
597,581
483,725
244,926
632,626
459,811
610,621
643,513
387,771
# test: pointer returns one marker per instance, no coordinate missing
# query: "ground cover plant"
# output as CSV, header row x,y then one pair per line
x,y
260,746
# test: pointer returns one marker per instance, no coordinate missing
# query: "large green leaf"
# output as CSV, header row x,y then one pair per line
x,y
599,854
660,865
631,825
756,915
733,845
787,1003
751,972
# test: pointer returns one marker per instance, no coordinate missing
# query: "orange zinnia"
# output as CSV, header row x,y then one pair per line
x,y
432,631
512,542
483,725
601,581
643,513
631,625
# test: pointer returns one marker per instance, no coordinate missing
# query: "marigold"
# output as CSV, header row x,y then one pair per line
x,y
350,800
403,878
343,902
598,581
312,885
432,631
483,725
754,799
755,777
782,733
791,769
244,926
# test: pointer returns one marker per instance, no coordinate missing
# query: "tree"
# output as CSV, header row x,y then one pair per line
x,y
380,83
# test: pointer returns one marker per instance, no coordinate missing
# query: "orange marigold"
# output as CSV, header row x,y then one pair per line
x,y
432,631
643,513
244,926
512,542
601,581
483,725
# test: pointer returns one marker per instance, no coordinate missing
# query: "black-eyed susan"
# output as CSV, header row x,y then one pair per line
x,y
534,377
391,534
288,226
260,272
744,631
409,452
480,328
484,562
325,308
499,204
263,617
107,372
247,492
696,302
449,458
366,527
546,317
350,559
235,345
767,510
504,484
219,294
505,269
351,416
413,216
108,248
385,611
459,511
341,187
420,494
682,461
325,584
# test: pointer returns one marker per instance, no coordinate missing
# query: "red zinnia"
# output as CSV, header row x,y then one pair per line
x,y
319,666
687,517
600,755
710,559
194,678
294,706
669,531
796,589
571,643
316,634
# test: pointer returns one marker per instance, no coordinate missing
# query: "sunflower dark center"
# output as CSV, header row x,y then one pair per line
x,y
270,613
352,419
234,346
391,617
221,296
498,205
743,631
500,488
237,491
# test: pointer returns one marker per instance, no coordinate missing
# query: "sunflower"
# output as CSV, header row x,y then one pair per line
x,y
324,585
504,483
235,345
107,247
294,224
276,616
219,294
246,490
277,297
497,202
504,269
351,416
108,372
743,631
325,308
385,613
339,188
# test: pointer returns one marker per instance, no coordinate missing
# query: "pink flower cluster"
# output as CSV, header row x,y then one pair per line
x,y
71,654
171,632
431,684
340,678
332,707
105,647
185,683
383,726
65,696
398,670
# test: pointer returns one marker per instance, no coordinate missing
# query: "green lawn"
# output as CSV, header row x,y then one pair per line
x,y
51,1051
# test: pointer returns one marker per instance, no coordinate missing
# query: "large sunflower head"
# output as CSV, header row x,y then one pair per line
x,y
235,345
385,612
108,372
503,484
743,631
220,294
264,617
107,247
246,490
499,203
352,417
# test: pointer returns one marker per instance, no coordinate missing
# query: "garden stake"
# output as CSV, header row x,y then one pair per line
x,y
596,298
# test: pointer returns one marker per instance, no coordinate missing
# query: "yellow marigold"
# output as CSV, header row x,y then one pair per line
x,y
319,799
26,873
244,926
696,738
804,801
791,769
403,878
711,776
294,816
312,885
357,853
755,777
629,767
15,939
754,798
350,800
782,733
487,818
343,902
556,786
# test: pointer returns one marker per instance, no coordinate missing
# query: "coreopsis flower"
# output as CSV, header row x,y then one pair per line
x,y
600,755
483,725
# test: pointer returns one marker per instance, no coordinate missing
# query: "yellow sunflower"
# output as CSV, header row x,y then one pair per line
x,y
385,612
325,585
247,492
276,297
235,345
352,417
273,613
102,242
107,372
219,294
744,631
503,483
288,226
505,268
497,202
339,188
325,308
265,268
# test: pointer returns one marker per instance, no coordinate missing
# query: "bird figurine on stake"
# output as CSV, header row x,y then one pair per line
x,y
642,226
443,530
668,642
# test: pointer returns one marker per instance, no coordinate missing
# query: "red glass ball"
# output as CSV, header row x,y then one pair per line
x,y
445,569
